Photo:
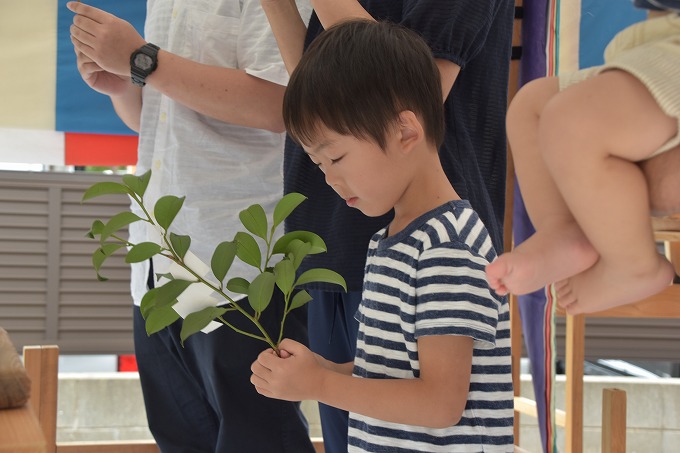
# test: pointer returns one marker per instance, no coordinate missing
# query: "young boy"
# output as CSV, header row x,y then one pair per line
x,y
471,43
432,367
576,142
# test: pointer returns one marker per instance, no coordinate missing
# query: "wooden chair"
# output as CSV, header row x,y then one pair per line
x,y
663,305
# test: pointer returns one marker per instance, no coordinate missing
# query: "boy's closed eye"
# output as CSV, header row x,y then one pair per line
x,y
332,161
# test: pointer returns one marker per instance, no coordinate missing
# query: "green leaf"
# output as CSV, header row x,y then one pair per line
x,y
238,285
160,318
255,220
109,248
247,249
166,210
148,303
299,299
142,252
101,254
318,245
117,222
105,188
196,321
168,275
95,229
285,206
138,184
260,291
321,275
170,291
222,259
180,244
298,250
284,271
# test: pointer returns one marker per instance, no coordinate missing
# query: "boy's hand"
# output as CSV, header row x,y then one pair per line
x,y
104,38
295,376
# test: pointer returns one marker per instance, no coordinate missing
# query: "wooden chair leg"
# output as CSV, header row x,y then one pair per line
x,y
613,421
575,352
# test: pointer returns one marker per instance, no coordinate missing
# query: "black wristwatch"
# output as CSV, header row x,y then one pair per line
x,y
143,62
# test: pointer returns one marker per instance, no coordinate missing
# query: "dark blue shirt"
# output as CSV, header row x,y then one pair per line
x,y
475,35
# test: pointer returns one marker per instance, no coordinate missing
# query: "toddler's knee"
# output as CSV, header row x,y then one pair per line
x,y
527,105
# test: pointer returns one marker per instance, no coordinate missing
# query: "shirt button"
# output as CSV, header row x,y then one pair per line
x,y
156,164
164,117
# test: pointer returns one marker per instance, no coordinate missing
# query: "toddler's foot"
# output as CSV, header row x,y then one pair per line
x,y
602,287
540,260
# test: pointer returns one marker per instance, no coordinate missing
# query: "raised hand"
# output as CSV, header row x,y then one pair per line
x,y
105,39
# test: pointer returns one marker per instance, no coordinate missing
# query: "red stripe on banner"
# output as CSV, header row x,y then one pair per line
x,y
100,149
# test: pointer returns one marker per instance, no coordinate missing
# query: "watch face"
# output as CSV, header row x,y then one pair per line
x,y
143,61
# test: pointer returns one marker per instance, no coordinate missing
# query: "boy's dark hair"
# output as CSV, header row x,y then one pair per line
x,y
357,76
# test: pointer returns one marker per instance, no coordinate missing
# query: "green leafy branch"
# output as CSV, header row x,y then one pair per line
x,y
157,304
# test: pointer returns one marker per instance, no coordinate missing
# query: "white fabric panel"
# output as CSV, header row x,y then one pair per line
x,y
31,146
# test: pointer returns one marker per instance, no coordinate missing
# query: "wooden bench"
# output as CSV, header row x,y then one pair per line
x,y
19,427
41,363
20,431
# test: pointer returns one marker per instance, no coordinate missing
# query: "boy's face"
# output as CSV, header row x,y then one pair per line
x,y
363,174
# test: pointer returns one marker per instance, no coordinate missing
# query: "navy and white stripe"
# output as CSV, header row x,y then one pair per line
x,y
429,280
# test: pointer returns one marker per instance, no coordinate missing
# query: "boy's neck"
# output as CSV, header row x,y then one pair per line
x,y
429,189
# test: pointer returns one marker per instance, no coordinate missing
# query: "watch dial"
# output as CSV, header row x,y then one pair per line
x,y
143,61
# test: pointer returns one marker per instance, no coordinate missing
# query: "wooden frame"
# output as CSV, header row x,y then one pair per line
x,y
663,305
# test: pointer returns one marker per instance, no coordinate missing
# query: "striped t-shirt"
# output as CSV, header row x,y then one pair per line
x,y
429,279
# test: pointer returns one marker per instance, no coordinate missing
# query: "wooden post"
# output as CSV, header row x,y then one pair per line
x,y
42,366
613,421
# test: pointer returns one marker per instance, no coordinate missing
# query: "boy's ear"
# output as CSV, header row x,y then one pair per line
x,y
410,130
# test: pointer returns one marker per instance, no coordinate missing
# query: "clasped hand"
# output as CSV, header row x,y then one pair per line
x,y
295,375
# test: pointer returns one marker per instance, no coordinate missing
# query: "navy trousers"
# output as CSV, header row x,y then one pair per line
x,y
333,335
199,398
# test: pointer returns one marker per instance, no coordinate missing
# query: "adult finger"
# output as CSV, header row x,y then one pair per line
x,y
95,14
82,36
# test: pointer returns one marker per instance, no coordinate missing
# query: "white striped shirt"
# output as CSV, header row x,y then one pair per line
x,y
429,279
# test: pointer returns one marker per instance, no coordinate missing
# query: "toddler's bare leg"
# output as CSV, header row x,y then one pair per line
x,y
559,248
662,174
591,135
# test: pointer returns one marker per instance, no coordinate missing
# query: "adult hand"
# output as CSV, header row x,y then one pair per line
x,y
105,39
98,79
295,376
